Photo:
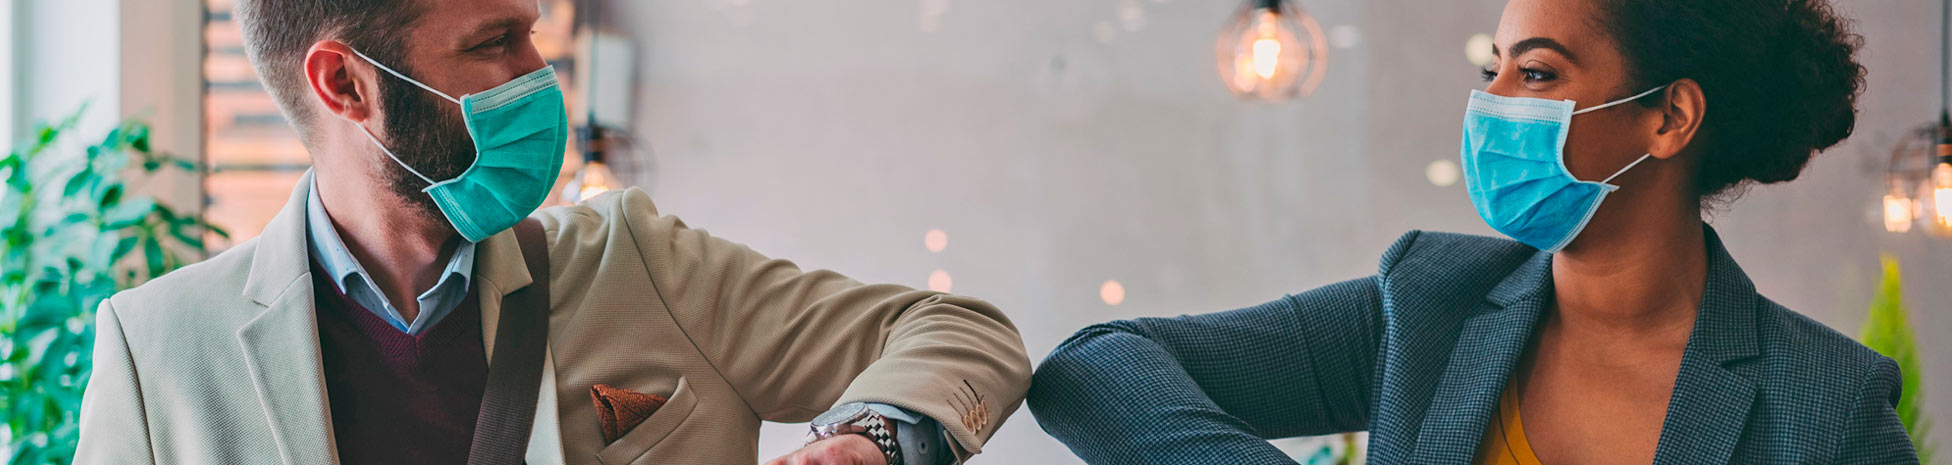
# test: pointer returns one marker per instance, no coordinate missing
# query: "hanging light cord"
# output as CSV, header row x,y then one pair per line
x,y
596,6
1944,146
593,150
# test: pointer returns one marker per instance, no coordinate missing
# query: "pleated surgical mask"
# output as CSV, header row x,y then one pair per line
x,y
520,130
1514,152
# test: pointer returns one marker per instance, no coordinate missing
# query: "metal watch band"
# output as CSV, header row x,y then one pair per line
x,y
875,427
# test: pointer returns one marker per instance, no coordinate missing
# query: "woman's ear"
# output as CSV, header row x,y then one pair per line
x,y
1681,110
343,89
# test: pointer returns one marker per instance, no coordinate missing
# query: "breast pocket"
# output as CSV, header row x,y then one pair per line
x,y
639,440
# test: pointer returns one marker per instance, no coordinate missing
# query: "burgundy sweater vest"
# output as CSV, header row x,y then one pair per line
x,y
398,398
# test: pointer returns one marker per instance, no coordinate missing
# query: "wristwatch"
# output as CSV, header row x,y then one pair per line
x,y
857,418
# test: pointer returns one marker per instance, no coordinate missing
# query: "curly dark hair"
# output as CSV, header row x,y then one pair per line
x,y
1781,79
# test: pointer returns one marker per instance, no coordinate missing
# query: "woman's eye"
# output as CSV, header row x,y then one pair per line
x,y
1537,75
1488,74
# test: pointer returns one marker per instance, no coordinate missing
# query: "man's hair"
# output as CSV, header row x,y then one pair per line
x,y
277,33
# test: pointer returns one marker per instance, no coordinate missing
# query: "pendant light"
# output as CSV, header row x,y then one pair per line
x,y
1918,182
1938,197
1272,50
594,177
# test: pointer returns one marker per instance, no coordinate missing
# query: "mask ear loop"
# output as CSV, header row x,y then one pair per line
x,y
390,155
404,77
376,140
1609,179
1616,174
1576,113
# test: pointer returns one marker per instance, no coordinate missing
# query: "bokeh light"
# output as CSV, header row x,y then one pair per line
x,y
939,281
1112,293
1478,49
935,240
1442,173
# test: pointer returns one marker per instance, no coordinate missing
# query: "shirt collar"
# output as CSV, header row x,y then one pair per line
x,y
339,263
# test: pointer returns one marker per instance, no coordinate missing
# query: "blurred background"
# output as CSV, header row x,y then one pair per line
x,y
1070,161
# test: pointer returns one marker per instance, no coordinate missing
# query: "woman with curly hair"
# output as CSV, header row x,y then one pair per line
x,y
1613,326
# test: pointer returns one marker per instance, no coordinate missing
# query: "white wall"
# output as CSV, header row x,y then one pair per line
x,y
8,29
67,57
123,58
836,133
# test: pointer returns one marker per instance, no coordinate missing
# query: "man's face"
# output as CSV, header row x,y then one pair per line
x,y
459,47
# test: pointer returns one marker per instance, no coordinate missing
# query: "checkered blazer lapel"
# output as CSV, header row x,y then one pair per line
x,y
1716,388
1489,344
1712,394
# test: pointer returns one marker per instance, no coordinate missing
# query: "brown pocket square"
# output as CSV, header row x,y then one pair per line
x,y
622,409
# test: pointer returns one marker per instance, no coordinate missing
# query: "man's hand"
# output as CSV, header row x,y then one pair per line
x,y
846,449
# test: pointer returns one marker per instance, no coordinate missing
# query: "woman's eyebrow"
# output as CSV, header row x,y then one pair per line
x,y
1538,43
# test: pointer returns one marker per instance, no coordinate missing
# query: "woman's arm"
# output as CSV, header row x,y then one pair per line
x,y
1213,388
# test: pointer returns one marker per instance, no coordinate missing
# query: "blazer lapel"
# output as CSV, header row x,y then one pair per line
x,y
1487,350
499,271
281,345
1715,389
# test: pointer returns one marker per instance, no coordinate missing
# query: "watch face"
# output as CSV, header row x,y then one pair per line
x,y
841,414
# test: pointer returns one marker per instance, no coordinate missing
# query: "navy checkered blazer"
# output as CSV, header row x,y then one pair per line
x,y
1418,355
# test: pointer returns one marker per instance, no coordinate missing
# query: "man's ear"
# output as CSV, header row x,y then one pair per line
x,y
343,88
1681,110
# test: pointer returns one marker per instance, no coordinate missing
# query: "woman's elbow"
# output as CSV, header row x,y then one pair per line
x,y
1082,367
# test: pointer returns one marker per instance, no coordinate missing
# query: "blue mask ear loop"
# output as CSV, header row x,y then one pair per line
x,y
1609,179
376,140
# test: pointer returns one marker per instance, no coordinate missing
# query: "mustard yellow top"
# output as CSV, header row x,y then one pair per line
x,y
1504,439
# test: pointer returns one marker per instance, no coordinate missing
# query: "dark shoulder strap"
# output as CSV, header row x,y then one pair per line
x,y
501,432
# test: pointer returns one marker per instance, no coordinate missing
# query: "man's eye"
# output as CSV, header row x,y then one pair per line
x,y
491,43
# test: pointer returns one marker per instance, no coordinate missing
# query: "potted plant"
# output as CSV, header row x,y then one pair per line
x,y
73,232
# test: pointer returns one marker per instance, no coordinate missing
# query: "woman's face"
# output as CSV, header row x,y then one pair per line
x,y
1553,49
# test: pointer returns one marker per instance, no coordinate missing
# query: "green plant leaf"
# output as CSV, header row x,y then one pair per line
x,y
86,231
152,254
1888,331
129,213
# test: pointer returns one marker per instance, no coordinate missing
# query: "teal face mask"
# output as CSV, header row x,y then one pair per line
x,y
520,129
1514,154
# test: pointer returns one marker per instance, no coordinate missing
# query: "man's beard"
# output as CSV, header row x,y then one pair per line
x,y
427,133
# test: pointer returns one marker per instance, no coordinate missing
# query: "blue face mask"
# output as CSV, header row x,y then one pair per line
x,y
520,130
1515,166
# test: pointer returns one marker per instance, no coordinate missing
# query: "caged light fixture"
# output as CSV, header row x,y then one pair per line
x,y
1272,50
1918,180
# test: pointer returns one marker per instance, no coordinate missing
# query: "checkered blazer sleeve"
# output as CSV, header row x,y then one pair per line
x,y
1213,388
1873,433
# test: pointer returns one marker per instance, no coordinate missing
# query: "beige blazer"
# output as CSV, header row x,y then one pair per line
x,y
218,362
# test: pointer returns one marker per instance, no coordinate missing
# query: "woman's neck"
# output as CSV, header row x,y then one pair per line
x,y
1633,275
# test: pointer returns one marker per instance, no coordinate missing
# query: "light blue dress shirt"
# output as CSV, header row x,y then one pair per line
x,y
353,280
922,441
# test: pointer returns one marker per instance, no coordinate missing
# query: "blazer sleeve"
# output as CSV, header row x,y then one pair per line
x,y
1213,388
114,427
795,343
1873,434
